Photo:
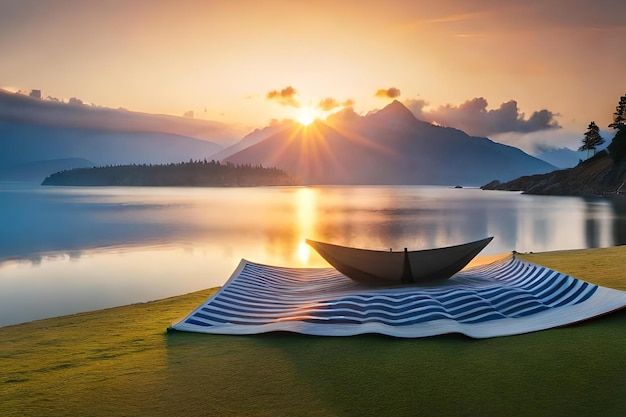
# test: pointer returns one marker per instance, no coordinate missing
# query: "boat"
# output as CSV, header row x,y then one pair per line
x,y
399,267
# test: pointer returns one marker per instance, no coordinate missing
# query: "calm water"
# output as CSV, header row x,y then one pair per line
x,y
65,250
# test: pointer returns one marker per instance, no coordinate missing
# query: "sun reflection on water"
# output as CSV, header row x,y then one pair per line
x,y
303,252
146,243
306,202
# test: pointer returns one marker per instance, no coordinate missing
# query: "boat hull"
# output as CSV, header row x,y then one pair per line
x,y
384,268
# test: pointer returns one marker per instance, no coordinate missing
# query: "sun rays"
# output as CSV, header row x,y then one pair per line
x,y
309,114
305,119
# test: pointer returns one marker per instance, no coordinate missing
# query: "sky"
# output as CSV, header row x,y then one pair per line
x,y
508,69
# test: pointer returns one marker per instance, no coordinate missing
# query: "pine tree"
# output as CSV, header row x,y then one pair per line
x,y
619,117
617,147
592,139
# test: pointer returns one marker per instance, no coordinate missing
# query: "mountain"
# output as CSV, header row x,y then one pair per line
x,y
564,157
250,139
561,157
389,146
24,143
598,175
33,131
36,171
23,109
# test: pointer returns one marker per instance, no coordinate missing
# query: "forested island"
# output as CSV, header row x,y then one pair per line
x,y
185,174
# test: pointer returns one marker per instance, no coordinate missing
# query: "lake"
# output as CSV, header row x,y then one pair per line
x,y
71,249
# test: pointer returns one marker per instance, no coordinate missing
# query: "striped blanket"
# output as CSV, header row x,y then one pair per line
x,y
503,298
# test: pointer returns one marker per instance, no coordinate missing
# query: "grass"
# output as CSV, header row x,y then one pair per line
x,y
604,266
120,361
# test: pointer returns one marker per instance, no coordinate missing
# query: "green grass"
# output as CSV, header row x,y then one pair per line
x,y
120,361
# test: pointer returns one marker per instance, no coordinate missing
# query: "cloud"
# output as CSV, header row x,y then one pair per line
x,y
473,117
281,122
75,101
330,103
345,115
285,97
536,142
416,106
391,92
20,108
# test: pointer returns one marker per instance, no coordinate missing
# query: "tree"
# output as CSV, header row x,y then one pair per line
x,y
617,147
619,117
592,139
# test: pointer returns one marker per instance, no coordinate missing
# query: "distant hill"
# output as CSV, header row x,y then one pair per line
x,y
389,146
250,139
33,130
564,157
25,143
561,157
36,171
27,110
598,175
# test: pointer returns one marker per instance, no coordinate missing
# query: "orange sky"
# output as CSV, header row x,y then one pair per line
x,y
225,56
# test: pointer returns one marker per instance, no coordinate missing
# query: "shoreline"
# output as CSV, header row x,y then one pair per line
x,y
552,259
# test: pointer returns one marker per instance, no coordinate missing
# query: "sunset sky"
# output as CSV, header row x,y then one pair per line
x,y
246,62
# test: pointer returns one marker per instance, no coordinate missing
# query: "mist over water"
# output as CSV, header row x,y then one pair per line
x,y
71,249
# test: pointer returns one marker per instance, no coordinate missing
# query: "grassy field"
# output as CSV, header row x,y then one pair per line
x,y
121,362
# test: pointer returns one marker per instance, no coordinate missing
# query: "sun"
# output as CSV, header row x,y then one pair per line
x,y
308,115
306,119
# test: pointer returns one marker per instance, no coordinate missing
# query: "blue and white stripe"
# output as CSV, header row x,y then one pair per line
x,y
502,298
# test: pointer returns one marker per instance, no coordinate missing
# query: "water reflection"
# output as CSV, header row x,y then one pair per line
x,y
618,204
72,249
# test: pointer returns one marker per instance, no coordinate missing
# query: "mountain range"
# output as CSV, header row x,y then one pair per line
x,y
40,137
23,109
388,146
27,145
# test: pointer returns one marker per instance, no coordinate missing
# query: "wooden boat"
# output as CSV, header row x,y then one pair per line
x,y
385,268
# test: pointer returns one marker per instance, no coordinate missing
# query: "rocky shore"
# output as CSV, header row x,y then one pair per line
x,y
597,176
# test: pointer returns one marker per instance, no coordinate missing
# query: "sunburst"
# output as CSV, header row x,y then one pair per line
x,y
305,119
